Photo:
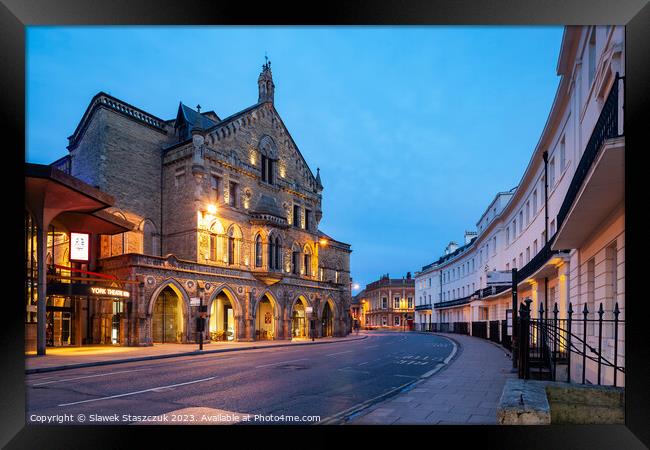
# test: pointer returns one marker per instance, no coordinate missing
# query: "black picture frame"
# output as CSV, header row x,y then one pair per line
x,y
15,15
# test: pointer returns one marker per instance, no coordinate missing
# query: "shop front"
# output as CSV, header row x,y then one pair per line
x,y
85,314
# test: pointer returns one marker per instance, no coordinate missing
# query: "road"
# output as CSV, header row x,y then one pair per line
x,y
310,383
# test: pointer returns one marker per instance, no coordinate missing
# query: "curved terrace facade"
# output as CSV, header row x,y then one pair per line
x,y
562,227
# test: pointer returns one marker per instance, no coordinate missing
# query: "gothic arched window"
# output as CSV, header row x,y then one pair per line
x,y
258,251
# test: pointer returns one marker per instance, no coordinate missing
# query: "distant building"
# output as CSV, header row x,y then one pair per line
x,y
359,307
390,303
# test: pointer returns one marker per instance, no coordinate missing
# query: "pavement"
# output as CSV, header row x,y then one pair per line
x,y
64,358
465,391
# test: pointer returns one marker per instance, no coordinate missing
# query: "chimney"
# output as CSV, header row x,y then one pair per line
x,y
451,248
469,235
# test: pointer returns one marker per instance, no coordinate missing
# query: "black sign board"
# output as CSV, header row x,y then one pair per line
x,y
85,290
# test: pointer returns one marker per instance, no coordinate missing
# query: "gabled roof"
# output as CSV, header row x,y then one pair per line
x,y
191,117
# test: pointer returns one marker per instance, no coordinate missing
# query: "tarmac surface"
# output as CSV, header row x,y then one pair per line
x,y
295,384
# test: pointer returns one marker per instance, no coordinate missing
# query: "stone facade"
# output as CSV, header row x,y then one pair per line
x,y
214,202
390,303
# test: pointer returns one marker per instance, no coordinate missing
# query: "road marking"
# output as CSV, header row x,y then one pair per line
x,y
136,392
339,353
432,371
88,376
350,369
361,364
404,376
282,362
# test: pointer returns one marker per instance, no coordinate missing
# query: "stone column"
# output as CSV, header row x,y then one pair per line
x,y
539,297
563,290
249,330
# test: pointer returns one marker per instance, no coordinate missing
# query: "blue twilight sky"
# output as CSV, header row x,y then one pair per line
x,y
414,129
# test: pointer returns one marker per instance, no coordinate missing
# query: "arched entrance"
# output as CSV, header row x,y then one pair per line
x,y
265,319
299,320
167,325
222,318
327,321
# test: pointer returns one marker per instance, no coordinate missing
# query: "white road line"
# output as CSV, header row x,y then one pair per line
x,y
281,362
339,353
88,376
404,376
136,392
349,369
361,364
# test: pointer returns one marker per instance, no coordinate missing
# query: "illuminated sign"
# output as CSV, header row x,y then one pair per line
x,y
79,247
108,292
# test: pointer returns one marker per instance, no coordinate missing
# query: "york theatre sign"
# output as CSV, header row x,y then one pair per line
x,y
85,290
108,292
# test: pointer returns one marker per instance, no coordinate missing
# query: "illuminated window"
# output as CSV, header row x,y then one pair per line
x,y
396,302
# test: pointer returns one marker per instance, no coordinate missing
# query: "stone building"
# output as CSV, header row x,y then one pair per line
x,y
389,303
227,213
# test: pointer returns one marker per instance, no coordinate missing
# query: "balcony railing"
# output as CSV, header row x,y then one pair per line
x,y
538,261
423,307
606,128
455,302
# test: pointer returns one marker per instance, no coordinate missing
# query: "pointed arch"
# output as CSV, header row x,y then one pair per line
x,y
296,263
308,260
274,251
234,239
150,242
266,316
297,317
230,293
258,250
183,322
177,288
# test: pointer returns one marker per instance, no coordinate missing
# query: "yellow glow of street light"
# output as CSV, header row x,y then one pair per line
x,y
212,209
322,241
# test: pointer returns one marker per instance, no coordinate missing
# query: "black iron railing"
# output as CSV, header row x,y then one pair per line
x,y
423,307
455,302
492,290
548,346
479,329
495,336
538,261
606,128
506,340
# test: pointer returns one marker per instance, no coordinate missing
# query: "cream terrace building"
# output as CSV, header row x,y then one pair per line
x,y
562,227
227,214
